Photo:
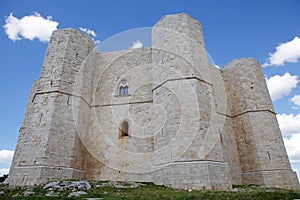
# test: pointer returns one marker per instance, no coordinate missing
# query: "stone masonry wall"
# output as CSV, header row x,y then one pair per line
x,y
110,156
51,148
260,145
184,91
22,132
223,125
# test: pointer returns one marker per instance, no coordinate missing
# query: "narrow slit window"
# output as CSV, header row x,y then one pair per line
x,y
124,129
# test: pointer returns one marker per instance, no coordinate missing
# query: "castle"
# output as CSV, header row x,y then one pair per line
x,y
161,114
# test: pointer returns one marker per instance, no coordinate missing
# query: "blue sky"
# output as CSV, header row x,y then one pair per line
x,y
268,31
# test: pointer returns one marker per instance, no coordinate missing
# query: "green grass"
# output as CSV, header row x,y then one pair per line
x,y
151,191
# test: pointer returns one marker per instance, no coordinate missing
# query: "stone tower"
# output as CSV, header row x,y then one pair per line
x,y
48,146
183,123
189,141
262,155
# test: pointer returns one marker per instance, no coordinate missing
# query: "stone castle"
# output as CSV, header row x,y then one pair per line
x,y
161,114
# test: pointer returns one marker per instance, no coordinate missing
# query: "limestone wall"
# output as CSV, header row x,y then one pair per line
x,y
179,36
111,156
222,124
263,158
22,132
51,148
184,91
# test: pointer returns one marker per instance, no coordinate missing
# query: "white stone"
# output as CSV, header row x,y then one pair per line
x,y
77,194
80,185
52,185
29,193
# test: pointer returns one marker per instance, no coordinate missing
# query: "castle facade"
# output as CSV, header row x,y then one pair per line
x,y
161,114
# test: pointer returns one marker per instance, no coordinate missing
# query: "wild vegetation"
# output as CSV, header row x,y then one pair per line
x,y
131,190
2,178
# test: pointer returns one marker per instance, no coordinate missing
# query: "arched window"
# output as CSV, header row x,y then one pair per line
x,y
123,88
124,129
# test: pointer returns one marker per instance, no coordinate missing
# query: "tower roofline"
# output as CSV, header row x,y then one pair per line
x,y
179,14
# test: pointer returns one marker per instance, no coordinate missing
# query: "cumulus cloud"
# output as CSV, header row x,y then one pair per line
x,y
289,123
91,33
29,27
285,52
96,41
296,168
136,44
280,86
6,156
290,127
88,31
293,147
3,171
296,100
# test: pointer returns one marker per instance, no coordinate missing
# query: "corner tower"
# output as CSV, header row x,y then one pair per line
x,y
262,155
49,146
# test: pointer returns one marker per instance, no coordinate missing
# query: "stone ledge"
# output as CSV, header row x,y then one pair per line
x,y
279,178
36,175
194,175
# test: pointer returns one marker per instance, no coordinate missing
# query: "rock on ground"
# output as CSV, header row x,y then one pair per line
x,y
114,184
29,193
68,185
77,194
52,194
53,185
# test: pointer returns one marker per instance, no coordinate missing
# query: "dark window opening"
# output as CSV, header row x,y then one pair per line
x,y
123,90
124,129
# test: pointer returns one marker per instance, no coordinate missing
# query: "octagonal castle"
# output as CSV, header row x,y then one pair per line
x,y
161,114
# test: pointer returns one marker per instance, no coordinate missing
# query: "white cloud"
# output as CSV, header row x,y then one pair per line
x,y
296,168
136,44
280,86
296,100
3,171
88,31
293,147
217,66
285,52
290,127
30,27
91,33
6,156
289,124
96,41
